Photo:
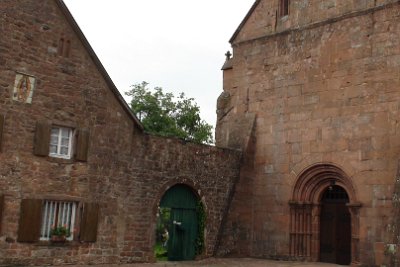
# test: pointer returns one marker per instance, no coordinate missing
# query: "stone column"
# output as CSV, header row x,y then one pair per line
x,y
315,227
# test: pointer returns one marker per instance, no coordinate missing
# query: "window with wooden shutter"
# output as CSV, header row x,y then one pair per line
x,y
30,220
1,210
57,214
89,223
2,118
61,142
82,145
42,139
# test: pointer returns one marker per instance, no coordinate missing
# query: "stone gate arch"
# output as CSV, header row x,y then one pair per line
x,y
181,196
305,210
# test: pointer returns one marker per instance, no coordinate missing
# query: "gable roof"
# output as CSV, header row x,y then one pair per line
x,y
241,25
97,62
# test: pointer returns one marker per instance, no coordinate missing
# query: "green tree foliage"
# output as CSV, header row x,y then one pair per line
x,y
164,114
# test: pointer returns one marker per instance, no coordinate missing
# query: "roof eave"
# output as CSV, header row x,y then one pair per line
x,y
228,64
97,62
253,7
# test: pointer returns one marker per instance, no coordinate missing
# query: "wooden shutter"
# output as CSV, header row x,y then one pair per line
x,y
1,211
30,220
42,139
1,130
82,145
89,223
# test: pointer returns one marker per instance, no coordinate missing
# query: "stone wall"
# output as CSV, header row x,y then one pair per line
x,y
128,191
266,18
126,172
327,93
392,248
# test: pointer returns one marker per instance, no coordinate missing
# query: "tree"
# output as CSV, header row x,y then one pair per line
x,y
164,114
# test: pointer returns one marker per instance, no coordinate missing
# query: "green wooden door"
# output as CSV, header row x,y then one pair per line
x,y
183,224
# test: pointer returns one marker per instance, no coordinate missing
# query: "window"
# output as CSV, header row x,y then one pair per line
x,y
64,47
38,216
57,213
284,8
60,142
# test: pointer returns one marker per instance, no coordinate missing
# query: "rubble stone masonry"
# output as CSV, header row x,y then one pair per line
x,y
323,84
119,168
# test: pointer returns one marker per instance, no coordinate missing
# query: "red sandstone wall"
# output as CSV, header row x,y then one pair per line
x,y
126,172
266,20
327,93
164,162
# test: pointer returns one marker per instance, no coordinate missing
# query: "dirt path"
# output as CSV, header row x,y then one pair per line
x,y
218,262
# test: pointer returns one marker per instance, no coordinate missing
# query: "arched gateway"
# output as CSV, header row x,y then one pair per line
x,y
324,206
183,221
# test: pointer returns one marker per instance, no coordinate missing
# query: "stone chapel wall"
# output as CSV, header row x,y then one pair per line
x,y
325,93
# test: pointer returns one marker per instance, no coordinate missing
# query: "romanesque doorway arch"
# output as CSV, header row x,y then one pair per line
x,y
182,225
314,196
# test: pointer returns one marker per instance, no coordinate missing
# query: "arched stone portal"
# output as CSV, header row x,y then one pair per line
x,y
305,210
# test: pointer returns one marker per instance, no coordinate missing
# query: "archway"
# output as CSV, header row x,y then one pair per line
x,y
310,200
180,203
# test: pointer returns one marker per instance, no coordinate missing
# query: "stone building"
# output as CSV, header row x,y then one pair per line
x,y
73,153
308,142
312,94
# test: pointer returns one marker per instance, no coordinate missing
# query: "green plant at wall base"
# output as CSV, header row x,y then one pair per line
x,y
60,231
202,217
160,252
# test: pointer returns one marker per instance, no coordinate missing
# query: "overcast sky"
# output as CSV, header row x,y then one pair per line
x,y
178,45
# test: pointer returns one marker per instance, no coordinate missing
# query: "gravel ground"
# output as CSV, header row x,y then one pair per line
x,y
218,262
